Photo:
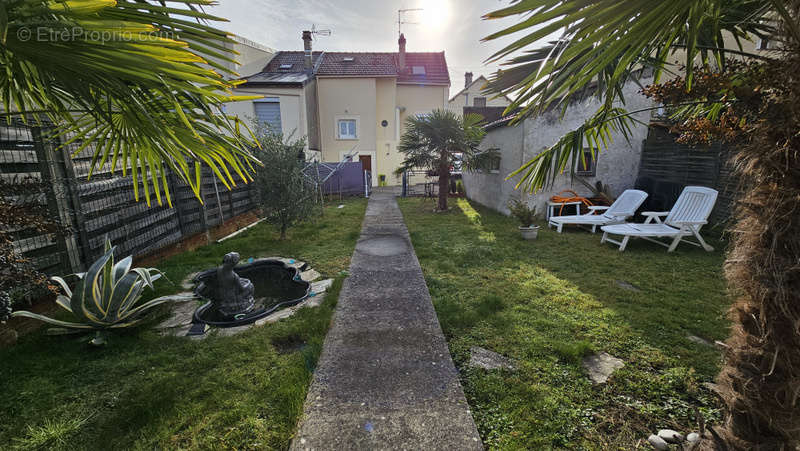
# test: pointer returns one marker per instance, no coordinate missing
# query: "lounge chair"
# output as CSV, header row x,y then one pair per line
x,y
686,218
624,207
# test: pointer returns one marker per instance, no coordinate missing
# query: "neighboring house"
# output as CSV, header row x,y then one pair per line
x,y
473,96
348,103
617,166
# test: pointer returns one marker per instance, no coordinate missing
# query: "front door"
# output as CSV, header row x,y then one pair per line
x,y
366,162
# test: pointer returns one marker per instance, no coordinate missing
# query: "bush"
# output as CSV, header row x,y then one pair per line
x,y
23,214
520,210
287,197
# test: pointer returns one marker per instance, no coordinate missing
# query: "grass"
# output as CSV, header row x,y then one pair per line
x,y
144,391
547,304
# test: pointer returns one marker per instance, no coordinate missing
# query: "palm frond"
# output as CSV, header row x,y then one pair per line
x,y
141,81
605,44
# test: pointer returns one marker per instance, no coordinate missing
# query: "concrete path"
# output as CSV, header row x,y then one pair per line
x,y
385,379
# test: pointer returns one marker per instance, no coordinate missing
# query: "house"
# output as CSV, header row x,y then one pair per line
x,y
617,166
348,104
473,96
288,86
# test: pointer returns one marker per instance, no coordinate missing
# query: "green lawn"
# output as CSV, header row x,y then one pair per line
x,y
548,303
144,391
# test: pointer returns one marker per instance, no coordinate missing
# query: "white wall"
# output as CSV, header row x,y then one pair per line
x,y
617,166
293,110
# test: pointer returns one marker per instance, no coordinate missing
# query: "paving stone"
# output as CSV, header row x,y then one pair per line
x,y
488,360
601,366
385,379
310,275
628,286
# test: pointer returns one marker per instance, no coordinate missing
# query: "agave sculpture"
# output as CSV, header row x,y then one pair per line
x,y
105,297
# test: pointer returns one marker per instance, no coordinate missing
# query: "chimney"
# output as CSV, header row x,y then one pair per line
x,y
401,57
307,60
467,79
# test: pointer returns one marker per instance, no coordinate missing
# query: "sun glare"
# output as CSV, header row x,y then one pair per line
x,y
436,13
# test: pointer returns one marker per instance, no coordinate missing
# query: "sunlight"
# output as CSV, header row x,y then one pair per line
x,y
436,13
475,218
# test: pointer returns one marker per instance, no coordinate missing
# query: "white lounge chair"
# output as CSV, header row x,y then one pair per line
x,y
687,216
624,207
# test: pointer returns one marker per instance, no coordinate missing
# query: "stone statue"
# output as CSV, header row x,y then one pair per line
x,y
234,294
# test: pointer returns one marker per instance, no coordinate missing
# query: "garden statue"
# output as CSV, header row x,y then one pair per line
x,y
234,295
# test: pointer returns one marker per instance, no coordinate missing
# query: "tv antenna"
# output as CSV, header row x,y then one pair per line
x,y
325,32
401,22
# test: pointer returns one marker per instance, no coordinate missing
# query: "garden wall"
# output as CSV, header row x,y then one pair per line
x,y
617,167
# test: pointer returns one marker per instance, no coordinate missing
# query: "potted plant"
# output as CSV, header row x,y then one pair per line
x,y
525,215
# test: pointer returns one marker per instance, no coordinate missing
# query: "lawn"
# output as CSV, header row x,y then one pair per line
x,y
145,391
548,303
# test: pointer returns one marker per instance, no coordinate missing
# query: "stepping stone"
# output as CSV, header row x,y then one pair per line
x,y
488,360
310,275
628,286
601,366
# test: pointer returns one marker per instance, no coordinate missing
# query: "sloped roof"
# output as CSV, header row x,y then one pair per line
x,y
473,84
435,69
356,64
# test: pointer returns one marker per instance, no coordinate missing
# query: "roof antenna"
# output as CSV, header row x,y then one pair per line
x,y
401,22
314,30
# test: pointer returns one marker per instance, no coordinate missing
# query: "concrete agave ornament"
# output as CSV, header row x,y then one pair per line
x,y
105,297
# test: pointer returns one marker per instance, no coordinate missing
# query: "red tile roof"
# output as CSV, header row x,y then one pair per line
x,y
357,64
435,69
367,64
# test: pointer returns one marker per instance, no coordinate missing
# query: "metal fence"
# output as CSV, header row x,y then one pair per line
x,y
104,205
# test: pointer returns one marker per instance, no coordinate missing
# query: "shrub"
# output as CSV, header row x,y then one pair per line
x,y
520,210
22,214
287,197
460,187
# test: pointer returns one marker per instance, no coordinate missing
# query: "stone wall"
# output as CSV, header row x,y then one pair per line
x,y
617,167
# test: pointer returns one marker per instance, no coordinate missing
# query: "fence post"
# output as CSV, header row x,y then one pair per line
x,y
176,202
80,219
59,195
204,216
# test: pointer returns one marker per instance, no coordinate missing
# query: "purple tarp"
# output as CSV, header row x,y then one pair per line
x,y
348,180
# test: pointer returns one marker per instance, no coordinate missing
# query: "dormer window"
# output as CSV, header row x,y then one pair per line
x,y
418,70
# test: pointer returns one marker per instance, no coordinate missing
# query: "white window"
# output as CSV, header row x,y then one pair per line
x,y
347,129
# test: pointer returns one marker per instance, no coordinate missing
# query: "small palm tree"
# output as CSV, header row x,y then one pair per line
x,y
144,81
439,141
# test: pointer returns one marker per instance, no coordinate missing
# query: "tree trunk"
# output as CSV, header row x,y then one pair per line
x,y
760,380
444,184
283,231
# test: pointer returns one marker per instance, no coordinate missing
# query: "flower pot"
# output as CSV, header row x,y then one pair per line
x,y
529,233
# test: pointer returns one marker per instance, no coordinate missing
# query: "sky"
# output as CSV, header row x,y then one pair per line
x,y
452,26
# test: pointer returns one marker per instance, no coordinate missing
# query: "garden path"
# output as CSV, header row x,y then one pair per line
x,y
385,378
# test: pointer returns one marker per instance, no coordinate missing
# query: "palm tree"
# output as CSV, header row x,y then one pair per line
x,y
144,81
439,141
751,104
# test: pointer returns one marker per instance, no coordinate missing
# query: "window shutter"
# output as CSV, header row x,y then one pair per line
x,y
269,113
